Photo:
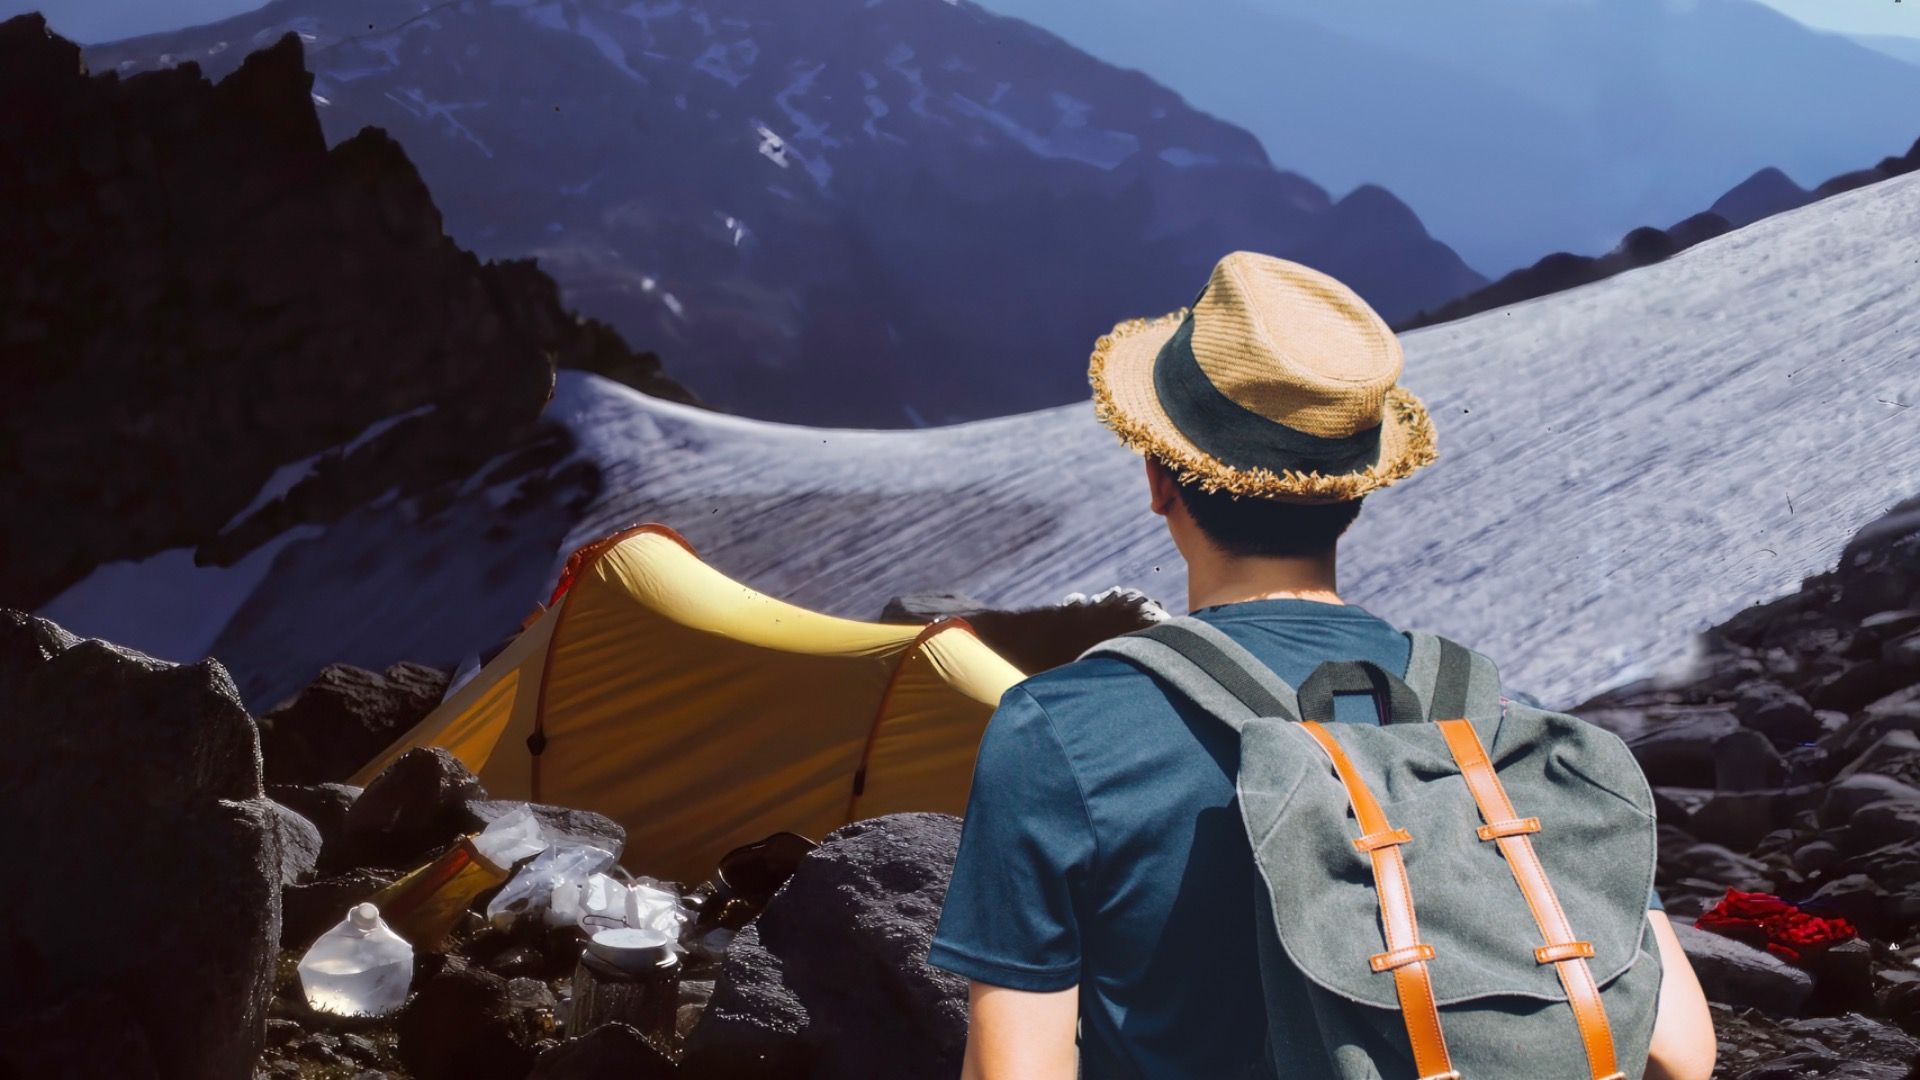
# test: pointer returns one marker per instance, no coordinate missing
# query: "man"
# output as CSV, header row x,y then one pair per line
x,y
1105,880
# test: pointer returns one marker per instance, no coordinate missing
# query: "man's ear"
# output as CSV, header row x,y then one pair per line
x,y
1161,487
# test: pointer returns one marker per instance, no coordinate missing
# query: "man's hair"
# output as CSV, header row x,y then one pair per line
x,y
1252,526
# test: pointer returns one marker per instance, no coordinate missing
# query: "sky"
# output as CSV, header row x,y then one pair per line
x,y
89,21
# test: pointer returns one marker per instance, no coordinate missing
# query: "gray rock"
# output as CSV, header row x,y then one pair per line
x,y
343,719
312,908
1859,1038
325,805
1739,819
1887,625
1722,866
417,805
1846,797
141,781
1815,855
1776,712
1895,754
1747,761
1680,752
832,979
1734,973
299,845
1882,823
466,1024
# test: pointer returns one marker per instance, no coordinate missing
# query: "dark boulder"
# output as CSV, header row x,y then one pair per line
x,y
1880,824
156,857
312,908
832,979
1776,712
1747,760
1846,797
1734,973
1680,752
469,1024
415,806
299,842
325,805
1739,819
343,719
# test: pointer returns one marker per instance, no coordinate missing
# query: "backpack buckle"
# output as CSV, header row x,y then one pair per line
x,y
1510,827
1563,950
1412,954
1389,838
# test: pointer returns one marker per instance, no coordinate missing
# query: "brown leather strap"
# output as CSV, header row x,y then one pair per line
x,y
1566,953
1406,955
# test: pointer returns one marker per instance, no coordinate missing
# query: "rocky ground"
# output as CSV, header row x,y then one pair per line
x,y
1787,761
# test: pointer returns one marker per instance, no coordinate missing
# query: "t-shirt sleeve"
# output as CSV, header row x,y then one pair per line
x,y
1653,901
1026,850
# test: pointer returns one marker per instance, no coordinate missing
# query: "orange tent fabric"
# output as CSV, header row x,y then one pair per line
x,y
702,715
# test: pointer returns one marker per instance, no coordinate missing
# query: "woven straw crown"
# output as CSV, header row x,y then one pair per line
x,y
1280,382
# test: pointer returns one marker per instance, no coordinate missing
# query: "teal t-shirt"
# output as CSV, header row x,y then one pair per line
x,y
1103,847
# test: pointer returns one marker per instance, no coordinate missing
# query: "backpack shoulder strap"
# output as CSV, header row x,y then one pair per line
x,y
1214,671
1452,679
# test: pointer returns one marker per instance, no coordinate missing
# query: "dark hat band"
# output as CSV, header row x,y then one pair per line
x,y
1238,436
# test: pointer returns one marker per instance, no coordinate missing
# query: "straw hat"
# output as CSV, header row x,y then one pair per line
x,y
1279,382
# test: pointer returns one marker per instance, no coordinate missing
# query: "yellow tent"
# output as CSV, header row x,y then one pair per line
x,y
702,715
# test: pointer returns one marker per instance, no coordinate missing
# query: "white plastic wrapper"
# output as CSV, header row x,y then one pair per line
x,y
510,837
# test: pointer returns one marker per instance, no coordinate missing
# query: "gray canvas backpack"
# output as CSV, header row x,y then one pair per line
x,y
1458,892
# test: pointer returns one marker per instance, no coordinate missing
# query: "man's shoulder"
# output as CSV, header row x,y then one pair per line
x,y
1086,685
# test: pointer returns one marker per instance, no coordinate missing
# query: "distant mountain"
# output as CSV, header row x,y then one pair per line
x,y
1515,127
1897,46
863,212
1762,195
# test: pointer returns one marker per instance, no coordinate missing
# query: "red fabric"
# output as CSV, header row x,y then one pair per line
x,y
1764,919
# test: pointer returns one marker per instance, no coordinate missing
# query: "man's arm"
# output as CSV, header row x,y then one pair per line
x,y
1683,1041
1019,1035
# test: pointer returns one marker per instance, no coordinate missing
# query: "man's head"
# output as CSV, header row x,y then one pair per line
x,y
1217,525
1279,383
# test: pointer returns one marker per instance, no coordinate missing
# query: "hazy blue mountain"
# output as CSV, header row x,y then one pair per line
x,y
862,212
1517,127
1898,46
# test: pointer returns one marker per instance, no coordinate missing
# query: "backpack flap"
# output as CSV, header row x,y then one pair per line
x,y
1596,842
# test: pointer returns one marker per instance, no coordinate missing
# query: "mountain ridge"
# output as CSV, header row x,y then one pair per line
x,y
876,214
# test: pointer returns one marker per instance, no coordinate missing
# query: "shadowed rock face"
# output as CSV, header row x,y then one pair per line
x,y
832,979
199,292
139,928
840,212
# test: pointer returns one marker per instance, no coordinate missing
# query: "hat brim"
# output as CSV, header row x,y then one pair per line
x,y
1124,399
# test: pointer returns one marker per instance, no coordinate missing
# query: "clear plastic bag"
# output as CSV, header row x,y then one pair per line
x,y
549,885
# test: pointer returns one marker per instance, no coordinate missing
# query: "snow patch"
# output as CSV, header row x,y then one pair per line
x,y
1182,158
416,102
164,605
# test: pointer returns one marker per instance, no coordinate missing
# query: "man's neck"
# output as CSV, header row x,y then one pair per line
x,y
1234,580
